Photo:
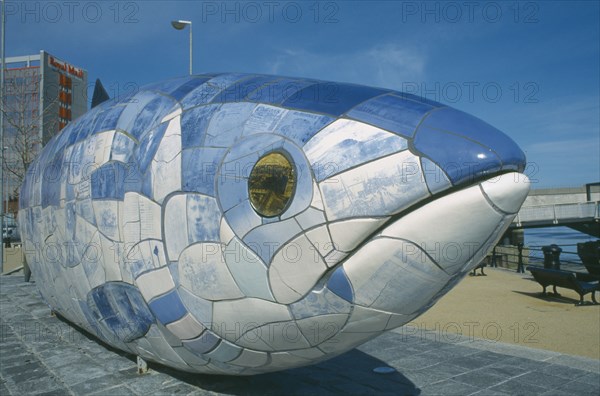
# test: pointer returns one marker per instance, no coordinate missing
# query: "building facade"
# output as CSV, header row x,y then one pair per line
x,y
42,93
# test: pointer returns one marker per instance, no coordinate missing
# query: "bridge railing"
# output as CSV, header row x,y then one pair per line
x,y
558,212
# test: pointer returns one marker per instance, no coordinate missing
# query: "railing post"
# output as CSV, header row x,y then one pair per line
x,y
520,266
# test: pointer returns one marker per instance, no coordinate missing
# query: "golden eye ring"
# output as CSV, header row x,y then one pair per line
x,y
272,184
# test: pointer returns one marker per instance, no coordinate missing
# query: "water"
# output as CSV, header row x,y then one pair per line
x,y
564,237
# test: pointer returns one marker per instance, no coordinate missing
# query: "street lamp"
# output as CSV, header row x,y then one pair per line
x,y
180,25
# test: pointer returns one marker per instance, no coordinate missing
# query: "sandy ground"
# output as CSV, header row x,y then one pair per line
x,y
13,258
508,307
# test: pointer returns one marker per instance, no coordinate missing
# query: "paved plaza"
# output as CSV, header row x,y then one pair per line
x,y
42,354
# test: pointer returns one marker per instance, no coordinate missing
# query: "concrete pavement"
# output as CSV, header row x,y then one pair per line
x,y
41,354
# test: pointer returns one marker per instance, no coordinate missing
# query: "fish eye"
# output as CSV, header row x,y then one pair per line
x,y
271,184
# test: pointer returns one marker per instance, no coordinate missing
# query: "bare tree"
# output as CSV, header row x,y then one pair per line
x,y
23,122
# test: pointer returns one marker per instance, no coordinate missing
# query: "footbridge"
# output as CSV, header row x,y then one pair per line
x,y
577,208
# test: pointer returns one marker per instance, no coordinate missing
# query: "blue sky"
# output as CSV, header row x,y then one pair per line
x,y
531,69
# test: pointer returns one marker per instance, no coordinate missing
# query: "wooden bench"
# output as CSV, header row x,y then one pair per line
x,y
566,279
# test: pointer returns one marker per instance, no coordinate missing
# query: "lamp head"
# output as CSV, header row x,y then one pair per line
x,y
179,24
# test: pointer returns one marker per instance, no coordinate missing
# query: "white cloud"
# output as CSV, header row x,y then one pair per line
x,y
386,65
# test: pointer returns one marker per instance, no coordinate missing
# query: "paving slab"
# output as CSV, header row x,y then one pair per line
x,y
44,355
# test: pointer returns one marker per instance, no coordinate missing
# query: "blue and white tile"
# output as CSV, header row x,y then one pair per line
x,y
224,352
290,281
227,124
94,271
318,329
310,218
203,216
231,319
226,234
155,283
344,341
436,178
384,276
107,256
106,213
320,302
451,247
186,328
162,350
264,118
203,272
367,320
348,234
202,344
345,144
276,235
191,359
150,218
288,360
378,188
281,336
166,178
175,113
170,144
141,257
175,226
242,218
103,144
300,126
249,358
200,96
200,166
194,123
199,308
335,257
151,115
248,270
321,240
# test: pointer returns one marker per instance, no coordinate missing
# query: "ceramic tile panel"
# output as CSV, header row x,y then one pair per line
x,y
319,302
175,227
334,257
199,308
192,359
367,320
194,123
278,91
204,273
345,341
151,115
321,240
310,218
170,144
122,147
471,221
318,329
331,98
108,181
106,213
242,218
384,276
224,352
162,350
226,234
199,167
248,270
436,178
237,91
264,119
186,328
345,144
295,269
121,309
203,218
249,358
348,234
394,113
201,95
227,124
300,127
166,178
266,239
339,284
155,283
472,128
148,145
378,188
281,336
107,255
202,344
231,319
168,308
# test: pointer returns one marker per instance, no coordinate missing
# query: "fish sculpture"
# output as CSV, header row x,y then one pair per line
x,y
241,224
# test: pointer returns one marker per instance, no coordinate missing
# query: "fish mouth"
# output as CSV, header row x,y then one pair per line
x,y
419,251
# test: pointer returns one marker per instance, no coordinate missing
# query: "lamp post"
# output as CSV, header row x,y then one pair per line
x,y
3,21
180,25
